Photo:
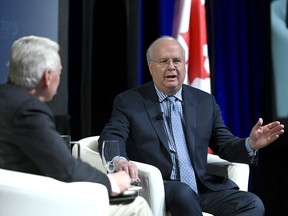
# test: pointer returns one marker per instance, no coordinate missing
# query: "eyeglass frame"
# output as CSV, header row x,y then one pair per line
x,y
165,62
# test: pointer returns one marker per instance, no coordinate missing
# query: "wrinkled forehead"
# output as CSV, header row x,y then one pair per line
x,y
167,49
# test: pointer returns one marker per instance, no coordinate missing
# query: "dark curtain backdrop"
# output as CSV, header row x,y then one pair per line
x,y
107,45
240,55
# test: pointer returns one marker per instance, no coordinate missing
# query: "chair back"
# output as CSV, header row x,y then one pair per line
x,y
89,152
34,195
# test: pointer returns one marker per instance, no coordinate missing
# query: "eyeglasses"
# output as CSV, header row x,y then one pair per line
x,y
165,62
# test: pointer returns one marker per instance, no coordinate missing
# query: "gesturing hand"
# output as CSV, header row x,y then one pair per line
x,y
262,136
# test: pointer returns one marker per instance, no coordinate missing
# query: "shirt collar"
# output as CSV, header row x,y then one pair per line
x,y
162,96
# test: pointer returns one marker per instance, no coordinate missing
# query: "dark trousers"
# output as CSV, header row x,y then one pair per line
x,y
181,200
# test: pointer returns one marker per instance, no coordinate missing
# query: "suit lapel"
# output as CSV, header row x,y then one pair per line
x,y
189,111
153,110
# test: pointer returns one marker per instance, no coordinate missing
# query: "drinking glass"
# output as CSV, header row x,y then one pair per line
x,y
110,151
70,144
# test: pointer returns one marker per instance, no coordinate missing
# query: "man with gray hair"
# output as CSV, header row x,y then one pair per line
x,y
29,141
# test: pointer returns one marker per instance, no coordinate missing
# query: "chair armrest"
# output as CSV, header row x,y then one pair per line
x,y
237,172
153,187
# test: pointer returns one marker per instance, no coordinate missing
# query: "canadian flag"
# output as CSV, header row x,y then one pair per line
x,y
190,30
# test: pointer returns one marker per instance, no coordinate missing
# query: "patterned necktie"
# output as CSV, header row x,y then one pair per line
x,y
187,174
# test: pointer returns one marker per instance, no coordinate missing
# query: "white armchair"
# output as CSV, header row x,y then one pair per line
x,y
34,195
151,178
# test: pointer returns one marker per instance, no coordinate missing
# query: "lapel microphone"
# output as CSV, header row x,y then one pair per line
x,y
159,116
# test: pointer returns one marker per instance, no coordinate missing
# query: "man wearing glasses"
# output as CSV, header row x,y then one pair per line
x,y
170,125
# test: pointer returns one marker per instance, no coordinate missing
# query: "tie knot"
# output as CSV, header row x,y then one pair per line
x,y
171,99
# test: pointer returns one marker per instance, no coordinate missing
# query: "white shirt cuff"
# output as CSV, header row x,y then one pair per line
x,y
114,186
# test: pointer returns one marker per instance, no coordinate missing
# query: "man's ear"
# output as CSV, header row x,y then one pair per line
x,y
46,78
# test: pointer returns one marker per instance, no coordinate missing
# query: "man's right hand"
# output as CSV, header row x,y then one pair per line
x,y
120,182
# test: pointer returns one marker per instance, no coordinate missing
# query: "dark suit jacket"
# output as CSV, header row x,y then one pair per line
x,y
30,143
136,123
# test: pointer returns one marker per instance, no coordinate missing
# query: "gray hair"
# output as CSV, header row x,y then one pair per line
x,y
150,48
29,57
